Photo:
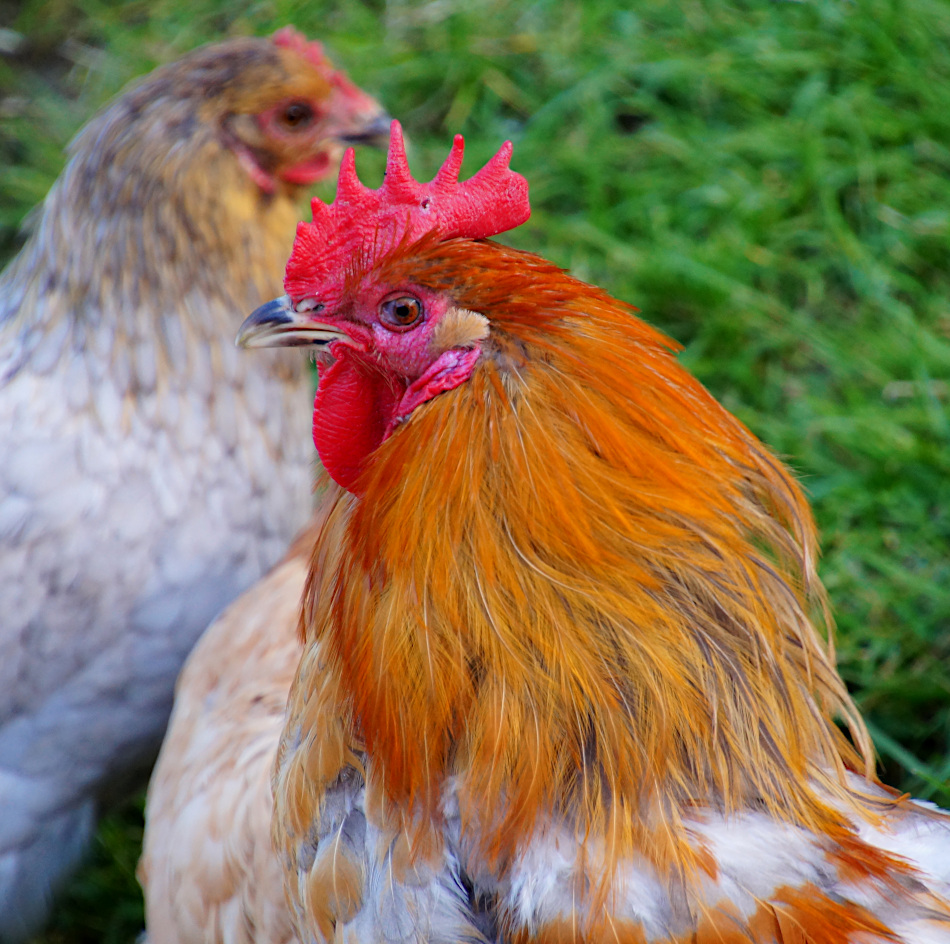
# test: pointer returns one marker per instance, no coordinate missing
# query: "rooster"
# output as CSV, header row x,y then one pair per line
x,y
127,514
564,675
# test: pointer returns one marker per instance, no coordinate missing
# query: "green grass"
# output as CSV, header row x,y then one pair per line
x,y
769,182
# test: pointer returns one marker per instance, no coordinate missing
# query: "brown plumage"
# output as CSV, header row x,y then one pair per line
x,y
565,673
137,473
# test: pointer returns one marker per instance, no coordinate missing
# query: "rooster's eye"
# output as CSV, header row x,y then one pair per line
x,y
400,312
296,116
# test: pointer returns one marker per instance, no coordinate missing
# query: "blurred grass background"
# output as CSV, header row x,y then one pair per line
x,y
768,181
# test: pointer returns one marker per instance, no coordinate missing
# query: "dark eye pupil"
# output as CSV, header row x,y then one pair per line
x,y
297,114
401,312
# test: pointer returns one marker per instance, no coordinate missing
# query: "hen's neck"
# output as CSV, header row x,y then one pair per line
x,y
153,231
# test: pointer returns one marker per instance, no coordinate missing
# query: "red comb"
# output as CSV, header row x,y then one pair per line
x,y
365,224
289,38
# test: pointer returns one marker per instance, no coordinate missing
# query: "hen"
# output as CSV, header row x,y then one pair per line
x,y
563,678
137,470
208,868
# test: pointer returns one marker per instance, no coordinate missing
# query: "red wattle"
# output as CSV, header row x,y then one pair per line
x,y
351,412
307,172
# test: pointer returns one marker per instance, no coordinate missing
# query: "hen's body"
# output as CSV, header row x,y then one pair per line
x,y
563,676
139,448
208,870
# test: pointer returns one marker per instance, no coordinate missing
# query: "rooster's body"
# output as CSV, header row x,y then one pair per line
x,y
139,449
563,678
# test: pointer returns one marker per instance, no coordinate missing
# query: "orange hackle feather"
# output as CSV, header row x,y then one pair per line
x,y
579,587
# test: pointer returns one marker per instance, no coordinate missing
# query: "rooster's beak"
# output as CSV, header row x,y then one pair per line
x,y
277,324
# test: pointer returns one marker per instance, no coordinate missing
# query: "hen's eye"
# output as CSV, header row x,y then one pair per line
x,y
296,116
400,312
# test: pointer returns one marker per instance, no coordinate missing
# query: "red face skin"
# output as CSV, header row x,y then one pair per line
x,y
301,124
374,377
347,292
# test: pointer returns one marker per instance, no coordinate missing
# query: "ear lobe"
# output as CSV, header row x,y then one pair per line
x,y
458,327
446,372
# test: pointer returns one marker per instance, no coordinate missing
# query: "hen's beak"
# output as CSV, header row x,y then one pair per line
x,y
276,324
375,132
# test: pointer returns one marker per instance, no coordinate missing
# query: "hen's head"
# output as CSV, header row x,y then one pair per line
x,y
362,287
278,105
293,126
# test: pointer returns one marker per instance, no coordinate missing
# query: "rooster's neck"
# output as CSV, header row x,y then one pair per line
x,y
581,584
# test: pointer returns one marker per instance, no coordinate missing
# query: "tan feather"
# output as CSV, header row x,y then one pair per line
x,y
208,869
